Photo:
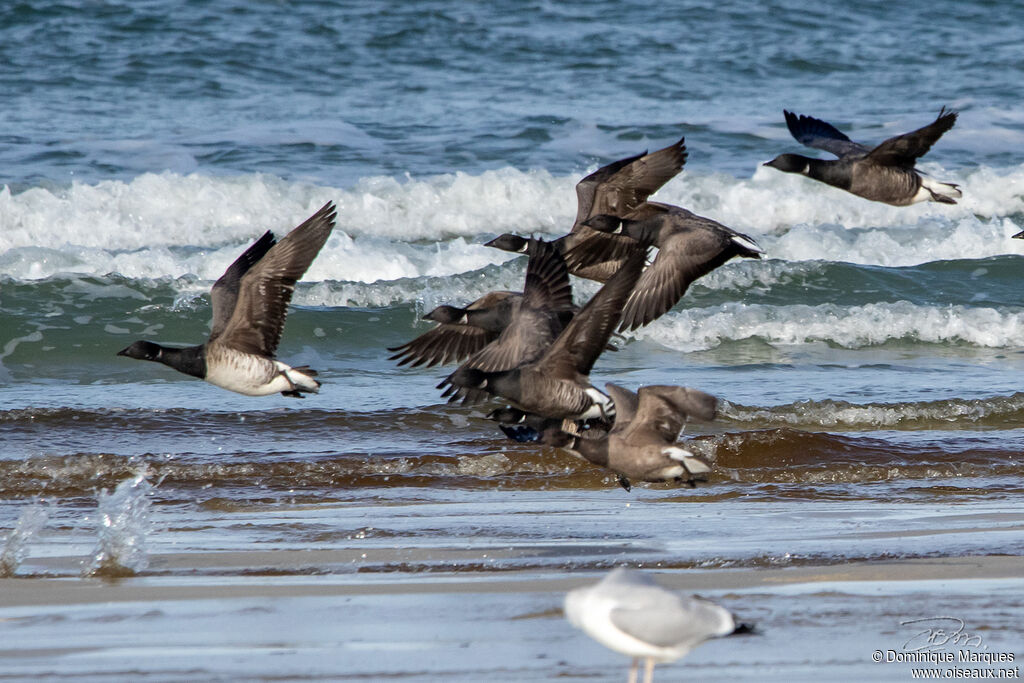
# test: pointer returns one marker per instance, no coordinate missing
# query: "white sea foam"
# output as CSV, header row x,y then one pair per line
x,y
170,225
848,326
831,414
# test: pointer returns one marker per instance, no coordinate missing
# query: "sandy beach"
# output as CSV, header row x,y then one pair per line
x,y
314,615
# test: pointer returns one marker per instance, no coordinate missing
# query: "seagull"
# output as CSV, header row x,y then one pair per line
x,y
641,444
619,189
689,246
250,303
557,384
628,612
884,173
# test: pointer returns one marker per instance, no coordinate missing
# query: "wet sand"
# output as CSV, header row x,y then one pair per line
x,y
279,574
285,615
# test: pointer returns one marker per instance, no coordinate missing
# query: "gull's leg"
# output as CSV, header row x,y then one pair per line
x,y
634,670
649,670
570,427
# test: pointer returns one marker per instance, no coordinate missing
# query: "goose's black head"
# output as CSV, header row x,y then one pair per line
x,y
604,223
142,350
510,242
789,163
469,378
446,314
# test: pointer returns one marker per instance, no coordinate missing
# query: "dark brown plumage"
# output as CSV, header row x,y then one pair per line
x,y
619,189
557,384
689,246
460,332
250,304
641,444
884,173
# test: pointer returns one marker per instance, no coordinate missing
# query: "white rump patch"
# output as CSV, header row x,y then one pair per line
x,y
930,186
688,460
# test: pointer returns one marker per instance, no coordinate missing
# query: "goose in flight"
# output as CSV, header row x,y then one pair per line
x,y
884,173
250,303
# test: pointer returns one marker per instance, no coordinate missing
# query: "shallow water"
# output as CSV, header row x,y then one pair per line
x,y
870,366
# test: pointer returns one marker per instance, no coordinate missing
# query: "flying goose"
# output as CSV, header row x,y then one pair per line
x,y
557,384
629,613
619,189
250,303
689,246
460,332
641,444
884,173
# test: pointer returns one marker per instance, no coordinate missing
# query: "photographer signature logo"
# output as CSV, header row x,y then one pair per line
x,y
937,633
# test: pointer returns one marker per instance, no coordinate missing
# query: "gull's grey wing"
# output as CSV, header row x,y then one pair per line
x,y
668,620
224,294
819,134
266,289
904,150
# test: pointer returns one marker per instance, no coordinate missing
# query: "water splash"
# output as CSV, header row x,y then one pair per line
x,y
123,522
15,549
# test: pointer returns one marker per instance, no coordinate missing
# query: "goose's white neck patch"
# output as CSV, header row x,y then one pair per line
x,y
747,244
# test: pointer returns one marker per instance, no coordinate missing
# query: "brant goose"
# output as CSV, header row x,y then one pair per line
x,y
545,310
629,613
557,384
689,246
884,174
641,444
619,189
460,332
250,302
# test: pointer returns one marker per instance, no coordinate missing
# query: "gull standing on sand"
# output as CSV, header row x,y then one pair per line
x,y
250,303
628,612
885,173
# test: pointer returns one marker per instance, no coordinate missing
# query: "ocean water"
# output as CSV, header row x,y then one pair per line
x,y
871,366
